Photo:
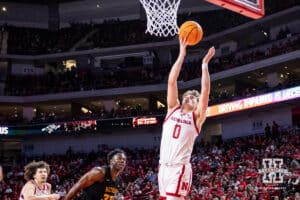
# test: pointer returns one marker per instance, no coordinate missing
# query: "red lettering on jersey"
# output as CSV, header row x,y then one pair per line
x,y
183,121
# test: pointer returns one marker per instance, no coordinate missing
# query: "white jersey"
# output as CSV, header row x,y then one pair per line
x,y
178,137
37,190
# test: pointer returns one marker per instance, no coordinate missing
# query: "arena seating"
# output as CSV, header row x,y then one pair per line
x,y
228,170
75,80
32,41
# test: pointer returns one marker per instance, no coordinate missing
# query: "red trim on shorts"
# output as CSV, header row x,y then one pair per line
x,y
171,194
194,119
162,198
167,117
179,180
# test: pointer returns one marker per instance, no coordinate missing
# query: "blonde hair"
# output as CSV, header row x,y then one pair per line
x,y
191,92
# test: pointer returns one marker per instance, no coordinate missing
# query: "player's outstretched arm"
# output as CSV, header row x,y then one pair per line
x,y
95,174
172,96
205,88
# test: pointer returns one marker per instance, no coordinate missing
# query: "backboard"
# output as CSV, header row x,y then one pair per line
x,y
251,8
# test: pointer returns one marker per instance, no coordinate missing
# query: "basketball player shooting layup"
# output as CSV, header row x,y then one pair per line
x,y
180,129
36,174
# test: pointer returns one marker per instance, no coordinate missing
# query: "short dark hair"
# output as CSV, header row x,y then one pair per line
x,y
111,154
31,168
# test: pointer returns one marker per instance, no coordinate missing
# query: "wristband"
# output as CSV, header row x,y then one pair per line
x,y
204,65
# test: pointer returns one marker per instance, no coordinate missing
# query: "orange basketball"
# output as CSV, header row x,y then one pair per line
x,y
192,31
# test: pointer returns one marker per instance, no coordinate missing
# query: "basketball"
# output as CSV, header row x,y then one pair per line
x,y
192,31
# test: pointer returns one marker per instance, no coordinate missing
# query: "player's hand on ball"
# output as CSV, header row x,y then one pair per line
x,y
211,52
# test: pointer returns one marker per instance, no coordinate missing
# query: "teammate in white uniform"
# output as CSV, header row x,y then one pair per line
x,y
37,188
180,129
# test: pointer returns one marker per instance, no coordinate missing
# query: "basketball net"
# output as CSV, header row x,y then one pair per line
x,y
161,17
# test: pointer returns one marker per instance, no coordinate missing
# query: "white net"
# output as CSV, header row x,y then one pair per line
x,y
161,17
